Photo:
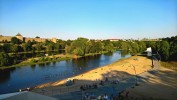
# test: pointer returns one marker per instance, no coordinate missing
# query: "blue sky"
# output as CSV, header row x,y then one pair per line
x,y
93,19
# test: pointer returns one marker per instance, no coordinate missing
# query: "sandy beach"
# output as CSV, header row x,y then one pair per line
x,y
119,70
160,85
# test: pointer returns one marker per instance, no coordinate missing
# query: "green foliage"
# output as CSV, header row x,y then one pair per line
x,y
163,48
109,47
124,46
27,46
167,48
14,48
4,59
15,40
79,46
134,48
78,51
39,47
142,46
33,60
41,59
97,47
7,47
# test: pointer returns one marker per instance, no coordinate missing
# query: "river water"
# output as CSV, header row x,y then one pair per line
x,y
11,80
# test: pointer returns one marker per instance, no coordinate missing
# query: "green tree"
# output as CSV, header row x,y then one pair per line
x,y
124,46
173,48
151,44
15,40
1,48
109,47
14,48
134,48
7,47
80,45
142,46
163,47
97,47
39,47
68,49
27,46
4,59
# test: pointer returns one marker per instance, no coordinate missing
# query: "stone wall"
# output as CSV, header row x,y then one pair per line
x,y
36,39
7,38
26,39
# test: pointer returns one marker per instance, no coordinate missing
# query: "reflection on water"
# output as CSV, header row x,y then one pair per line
x,y
124,53
109,54
14,79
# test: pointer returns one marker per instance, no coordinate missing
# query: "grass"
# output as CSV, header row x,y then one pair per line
x,y
170,65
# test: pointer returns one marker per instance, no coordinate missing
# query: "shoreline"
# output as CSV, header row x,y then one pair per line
x,y
61,58
100,71
39,86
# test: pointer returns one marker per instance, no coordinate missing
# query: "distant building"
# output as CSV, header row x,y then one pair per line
x,y
145,39
25,39
54,40
19,36
5,38
113,39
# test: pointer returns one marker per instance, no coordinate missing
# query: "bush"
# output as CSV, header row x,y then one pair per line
x,y
33,60
41,59
4,59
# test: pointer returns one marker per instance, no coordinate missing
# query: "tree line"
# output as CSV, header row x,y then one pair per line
x,y
167,47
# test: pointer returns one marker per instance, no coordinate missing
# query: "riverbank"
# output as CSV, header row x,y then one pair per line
x,y
171,65
33,61
118,70
47,59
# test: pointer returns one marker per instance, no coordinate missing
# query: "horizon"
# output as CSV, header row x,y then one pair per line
x,y
91,19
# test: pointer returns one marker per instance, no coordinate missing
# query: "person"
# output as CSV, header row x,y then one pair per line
x,y
28,89
106,80
105,97
67,80
126,95
101,83
111,97
81,88
73,81
87,96
99,97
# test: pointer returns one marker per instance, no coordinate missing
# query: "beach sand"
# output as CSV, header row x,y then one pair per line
x,y
120,70
161,85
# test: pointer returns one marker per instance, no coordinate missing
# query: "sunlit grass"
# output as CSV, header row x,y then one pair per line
x,y
171,65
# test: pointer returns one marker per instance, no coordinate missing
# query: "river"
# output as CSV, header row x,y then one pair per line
x,y
11,80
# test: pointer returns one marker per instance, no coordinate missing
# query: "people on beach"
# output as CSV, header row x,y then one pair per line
x,y
105,97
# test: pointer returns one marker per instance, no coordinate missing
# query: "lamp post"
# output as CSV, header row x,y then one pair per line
x,y
152,62
159,56
135,76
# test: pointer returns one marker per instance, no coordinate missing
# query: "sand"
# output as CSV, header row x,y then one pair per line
x,y
120,70
161,85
